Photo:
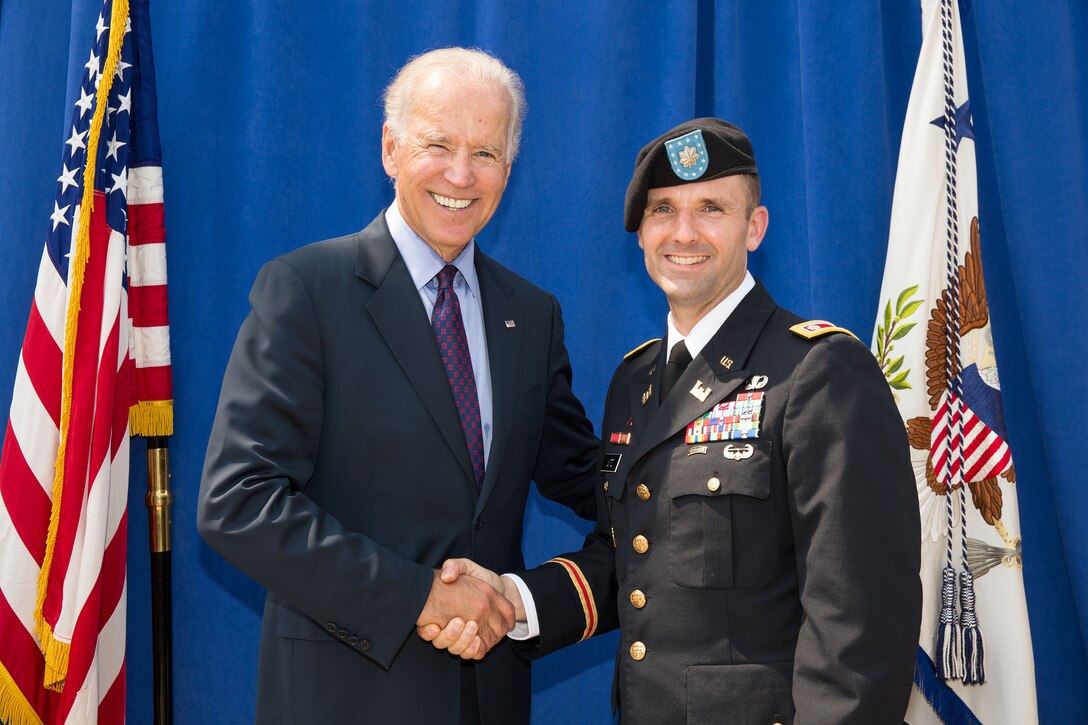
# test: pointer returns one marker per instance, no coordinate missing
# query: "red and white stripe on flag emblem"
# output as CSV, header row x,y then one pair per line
x,y
86,371
983,452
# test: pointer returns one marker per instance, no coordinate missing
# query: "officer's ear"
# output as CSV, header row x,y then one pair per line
x,y
757,227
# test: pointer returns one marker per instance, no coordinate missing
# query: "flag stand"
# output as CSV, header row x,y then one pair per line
x,y
158,501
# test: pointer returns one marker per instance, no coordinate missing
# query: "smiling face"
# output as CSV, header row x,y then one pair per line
x,y
695,238
451,166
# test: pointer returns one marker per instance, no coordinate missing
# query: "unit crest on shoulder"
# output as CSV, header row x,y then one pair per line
x,y
817,328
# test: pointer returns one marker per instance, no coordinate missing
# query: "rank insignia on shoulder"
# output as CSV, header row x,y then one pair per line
x,y
817,328
622,438
640,348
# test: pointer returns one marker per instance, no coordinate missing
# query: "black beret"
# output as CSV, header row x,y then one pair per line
x,y
699,150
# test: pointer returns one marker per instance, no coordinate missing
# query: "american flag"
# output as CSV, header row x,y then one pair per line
x,y
95,358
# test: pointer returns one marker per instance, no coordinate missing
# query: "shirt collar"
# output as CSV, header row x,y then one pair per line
x,y
423,262
705,328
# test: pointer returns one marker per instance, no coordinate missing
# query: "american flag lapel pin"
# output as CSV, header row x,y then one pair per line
x,y
511,323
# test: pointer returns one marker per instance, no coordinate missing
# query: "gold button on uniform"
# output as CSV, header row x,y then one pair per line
x,y
643,492
640,544
638,599
714,484
638,651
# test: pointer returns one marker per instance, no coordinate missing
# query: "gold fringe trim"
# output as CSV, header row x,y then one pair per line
x,y
15,709
151,418
56,653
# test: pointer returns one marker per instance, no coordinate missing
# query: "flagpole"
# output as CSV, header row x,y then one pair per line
x,y
159,501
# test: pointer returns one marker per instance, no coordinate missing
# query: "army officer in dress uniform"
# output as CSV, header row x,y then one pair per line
x,y
757,533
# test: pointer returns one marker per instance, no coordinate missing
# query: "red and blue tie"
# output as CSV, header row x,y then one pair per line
x,y
449,331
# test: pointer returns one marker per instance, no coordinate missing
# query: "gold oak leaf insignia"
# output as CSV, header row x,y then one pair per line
x,y
689,156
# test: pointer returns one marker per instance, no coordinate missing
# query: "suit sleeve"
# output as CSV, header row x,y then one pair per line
x,y
565,470
855,523
253,508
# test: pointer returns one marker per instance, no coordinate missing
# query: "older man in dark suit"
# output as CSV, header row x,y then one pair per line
x,y
388,400
757,529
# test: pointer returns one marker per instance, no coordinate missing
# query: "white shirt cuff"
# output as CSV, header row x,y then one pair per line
x,y
531,628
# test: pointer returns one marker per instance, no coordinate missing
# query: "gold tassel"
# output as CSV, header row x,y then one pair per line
x,y
151,418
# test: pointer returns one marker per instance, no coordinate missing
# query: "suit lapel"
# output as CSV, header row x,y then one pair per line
x,y
503,349
403,324
719,368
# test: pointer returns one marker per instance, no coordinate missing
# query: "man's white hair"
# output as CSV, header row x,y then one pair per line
x,y
470,64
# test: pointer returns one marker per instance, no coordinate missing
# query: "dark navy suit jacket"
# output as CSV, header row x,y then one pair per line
x,y
337,476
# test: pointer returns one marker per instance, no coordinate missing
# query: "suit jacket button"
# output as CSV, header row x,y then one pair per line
x,y
714,484
643,491
330,627
364,644
353,641
640,544
638,599
342,634
638,651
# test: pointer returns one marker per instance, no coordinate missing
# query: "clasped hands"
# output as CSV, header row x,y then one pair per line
x,y
469,610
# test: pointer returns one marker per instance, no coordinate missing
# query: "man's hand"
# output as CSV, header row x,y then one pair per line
x,y
458,636
455,600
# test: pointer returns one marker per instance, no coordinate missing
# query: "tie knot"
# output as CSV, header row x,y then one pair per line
x,y
679,355
445,277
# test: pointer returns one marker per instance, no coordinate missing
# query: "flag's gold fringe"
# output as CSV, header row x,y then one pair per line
x,y
56,659
15,709
56,653
151,418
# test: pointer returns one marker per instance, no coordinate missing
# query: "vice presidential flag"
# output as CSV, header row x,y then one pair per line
x,y
933,341
95,354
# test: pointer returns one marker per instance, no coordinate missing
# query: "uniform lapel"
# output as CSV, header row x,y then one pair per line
x,y
503,348
719,367
403,324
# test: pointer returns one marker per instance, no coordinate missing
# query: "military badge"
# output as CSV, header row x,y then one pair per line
x,y
731,420
736,452
622,438
687,155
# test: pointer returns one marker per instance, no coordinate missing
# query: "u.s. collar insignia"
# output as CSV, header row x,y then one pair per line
x,y
756,382
687,155
726,362
700,391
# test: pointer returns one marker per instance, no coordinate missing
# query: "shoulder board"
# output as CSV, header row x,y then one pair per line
x,y
817,328
640,348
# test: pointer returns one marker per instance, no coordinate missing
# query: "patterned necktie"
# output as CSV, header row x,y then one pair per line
x,y
449,331
679,357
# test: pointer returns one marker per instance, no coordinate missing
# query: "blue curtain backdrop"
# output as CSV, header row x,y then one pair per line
x,y
270,120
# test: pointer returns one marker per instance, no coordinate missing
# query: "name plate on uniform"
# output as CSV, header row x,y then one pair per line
x,y
611,462
732,420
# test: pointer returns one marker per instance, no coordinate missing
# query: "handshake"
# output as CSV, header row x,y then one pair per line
x,y
469,610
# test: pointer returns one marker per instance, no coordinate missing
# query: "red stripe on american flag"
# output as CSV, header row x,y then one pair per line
x,y
42,360
145,224
155,383
112,708
26,501
147,305
94,613
23,660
